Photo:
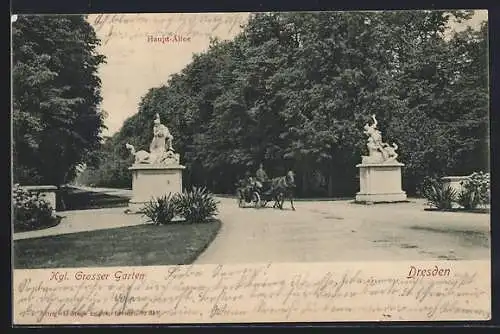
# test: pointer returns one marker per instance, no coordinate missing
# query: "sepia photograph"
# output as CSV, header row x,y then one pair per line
x,y
220,139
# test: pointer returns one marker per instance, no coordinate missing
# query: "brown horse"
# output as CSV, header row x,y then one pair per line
x,y
281,188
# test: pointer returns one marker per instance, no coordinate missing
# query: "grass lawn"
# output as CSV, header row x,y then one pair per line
x,y
140,245
77,199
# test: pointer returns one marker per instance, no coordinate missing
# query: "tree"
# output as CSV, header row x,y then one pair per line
x,y
294,90
57,122
433,73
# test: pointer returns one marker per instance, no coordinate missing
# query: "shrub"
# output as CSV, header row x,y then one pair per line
x,y
475,191
438,195
468,198
31,211
197,205
161,210
481,182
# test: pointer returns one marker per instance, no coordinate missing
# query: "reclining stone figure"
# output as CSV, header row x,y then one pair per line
x,y
161,150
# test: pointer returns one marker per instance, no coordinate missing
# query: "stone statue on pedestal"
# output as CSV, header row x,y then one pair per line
x,y
379,171
378,151
161,151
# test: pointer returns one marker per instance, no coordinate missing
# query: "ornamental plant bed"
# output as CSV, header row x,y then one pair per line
x,y
30,211
56,220
472,194
76,199
141,245
195,206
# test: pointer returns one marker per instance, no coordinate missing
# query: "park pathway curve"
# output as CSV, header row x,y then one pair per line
x,y
88,220
318,231
343,231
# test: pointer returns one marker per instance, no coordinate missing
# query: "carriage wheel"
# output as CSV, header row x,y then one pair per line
x,y
256,199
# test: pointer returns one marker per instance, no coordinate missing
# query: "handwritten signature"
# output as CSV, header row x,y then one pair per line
x,y
194,293
205,25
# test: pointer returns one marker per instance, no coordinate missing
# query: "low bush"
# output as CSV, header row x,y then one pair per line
x,y
31,211
438,195
197,205
468,198
161,210
475,191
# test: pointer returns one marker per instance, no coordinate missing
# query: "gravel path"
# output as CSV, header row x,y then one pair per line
x,y
316,231
344,231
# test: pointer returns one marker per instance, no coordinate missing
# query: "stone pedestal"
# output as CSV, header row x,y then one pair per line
x,y
152,181
454,182
380,183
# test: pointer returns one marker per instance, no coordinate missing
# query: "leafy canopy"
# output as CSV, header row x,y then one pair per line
x,y
56,95
294,90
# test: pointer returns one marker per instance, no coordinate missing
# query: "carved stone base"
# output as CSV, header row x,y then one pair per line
x,y
380,183
150,181
374,158
381,198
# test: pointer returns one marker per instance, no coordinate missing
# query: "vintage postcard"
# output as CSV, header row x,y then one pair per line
x,y
250,167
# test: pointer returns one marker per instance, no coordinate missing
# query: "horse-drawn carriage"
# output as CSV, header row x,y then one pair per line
x,y
259,194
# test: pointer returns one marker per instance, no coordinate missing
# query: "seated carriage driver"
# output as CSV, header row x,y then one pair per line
x,y
261,176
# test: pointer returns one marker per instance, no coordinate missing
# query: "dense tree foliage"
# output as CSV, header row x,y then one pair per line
x,y
294,90
56,94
